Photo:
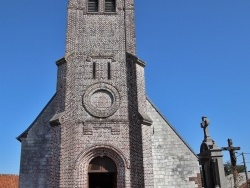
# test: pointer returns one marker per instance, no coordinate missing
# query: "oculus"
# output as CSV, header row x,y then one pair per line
x,y
101,100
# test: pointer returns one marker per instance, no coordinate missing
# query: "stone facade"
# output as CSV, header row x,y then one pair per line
x,y
100,109
174,162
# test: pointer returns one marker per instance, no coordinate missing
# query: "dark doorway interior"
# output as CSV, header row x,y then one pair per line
x,y
102,173
102,180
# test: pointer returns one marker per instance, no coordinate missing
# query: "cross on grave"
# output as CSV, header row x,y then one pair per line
x,y
233,158
210,158
204,124
231,150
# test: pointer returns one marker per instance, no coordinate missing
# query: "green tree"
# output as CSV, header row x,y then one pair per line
x,y
228,168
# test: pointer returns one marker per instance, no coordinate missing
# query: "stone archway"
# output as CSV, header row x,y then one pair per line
x,y
81,172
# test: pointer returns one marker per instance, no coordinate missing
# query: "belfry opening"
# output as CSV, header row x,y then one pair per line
x,y
102,173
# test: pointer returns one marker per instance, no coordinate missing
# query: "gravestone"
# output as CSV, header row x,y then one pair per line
x,y
210,158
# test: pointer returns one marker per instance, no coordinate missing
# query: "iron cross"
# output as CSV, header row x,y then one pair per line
x,y
231,150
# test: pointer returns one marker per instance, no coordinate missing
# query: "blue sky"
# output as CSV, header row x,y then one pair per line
x,y
198,63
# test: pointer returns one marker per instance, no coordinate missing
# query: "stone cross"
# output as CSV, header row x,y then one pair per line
x,y
204,124
210,158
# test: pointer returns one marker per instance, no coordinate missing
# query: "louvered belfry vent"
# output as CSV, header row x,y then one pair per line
x,y
93,6
109,5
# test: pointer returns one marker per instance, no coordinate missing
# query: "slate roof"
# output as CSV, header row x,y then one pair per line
x,y
8,181
171,126
27,130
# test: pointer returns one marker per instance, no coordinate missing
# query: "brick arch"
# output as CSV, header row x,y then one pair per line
x,y
84,158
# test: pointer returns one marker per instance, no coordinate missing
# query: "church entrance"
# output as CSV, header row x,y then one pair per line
x,y
102,173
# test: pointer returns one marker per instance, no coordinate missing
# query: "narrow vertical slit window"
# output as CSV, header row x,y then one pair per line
x,y
94,70
110,6
109,71
93,5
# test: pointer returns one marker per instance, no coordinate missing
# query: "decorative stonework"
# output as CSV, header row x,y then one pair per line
x,y
90,127
102,55
101,100
84,158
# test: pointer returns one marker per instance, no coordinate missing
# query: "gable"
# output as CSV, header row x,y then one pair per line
x,y
165,124
174,162
40,116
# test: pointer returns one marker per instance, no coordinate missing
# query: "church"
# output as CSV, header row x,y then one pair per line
x,y
100,130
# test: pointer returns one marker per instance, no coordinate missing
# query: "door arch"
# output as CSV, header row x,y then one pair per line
x,y
102,173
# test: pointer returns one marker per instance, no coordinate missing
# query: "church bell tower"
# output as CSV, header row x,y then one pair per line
x,y
100,132
96,131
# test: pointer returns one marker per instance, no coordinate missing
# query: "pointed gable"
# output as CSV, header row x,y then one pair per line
x,y
174,162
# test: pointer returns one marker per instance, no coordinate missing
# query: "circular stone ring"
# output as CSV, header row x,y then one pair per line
x,y
101,100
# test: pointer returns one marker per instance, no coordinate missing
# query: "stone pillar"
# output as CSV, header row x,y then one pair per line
x,y
210,158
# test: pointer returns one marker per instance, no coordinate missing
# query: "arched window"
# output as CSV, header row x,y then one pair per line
x,y
93,5
109,5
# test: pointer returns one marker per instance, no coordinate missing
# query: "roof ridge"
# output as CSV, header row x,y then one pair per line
x,y
9,175
172,127
48,103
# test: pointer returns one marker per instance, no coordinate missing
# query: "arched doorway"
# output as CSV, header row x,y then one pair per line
x,y
102,172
